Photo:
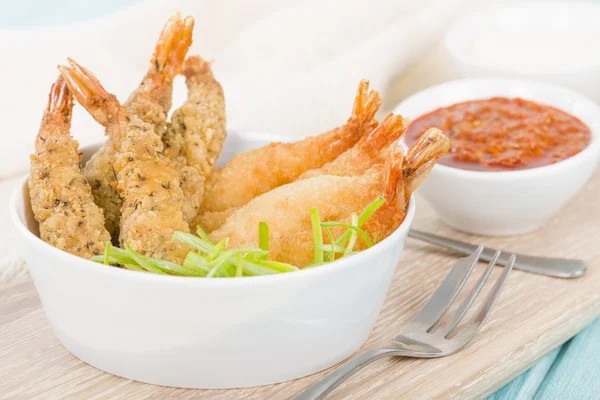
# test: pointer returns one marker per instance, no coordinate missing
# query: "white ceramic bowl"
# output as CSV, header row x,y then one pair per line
x,y
569,27
209,333
511,202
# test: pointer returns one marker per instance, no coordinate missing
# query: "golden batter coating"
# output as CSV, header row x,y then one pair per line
x,y
61,197
371,149
261,170
212,220
147,180
151,101
286,208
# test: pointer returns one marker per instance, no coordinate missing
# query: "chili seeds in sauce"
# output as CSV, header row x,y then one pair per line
x,y
500,134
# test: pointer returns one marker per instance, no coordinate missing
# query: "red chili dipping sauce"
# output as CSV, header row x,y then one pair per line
x,y
502,134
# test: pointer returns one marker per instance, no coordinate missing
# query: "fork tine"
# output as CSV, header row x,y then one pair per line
x,y
466,334
441,299
460,312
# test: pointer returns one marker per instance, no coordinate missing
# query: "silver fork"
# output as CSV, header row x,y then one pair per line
x,y
426,336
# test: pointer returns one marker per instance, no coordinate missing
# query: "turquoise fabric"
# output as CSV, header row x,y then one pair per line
x,y
571,372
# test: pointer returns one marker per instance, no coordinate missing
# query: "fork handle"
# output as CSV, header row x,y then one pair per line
x,y
556,267
323,386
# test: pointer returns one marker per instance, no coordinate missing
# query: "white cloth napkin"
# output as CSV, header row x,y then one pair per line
x,y
287,66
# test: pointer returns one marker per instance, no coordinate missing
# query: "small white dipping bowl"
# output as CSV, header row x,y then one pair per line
x,y
547,41
209,333
505,202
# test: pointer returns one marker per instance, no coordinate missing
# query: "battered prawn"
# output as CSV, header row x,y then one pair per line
x,y
251,174
286,209
147,180
197,131
371,149
151,101
61,197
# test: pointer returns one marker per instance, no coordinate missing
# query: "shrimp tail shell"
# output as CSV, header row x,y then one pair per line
x,y
89,92
366,104
389,130
393,181
60,100
172,46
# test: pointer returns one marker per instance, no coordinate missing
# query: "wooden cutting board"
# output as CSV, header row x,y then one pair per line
x,y
534,315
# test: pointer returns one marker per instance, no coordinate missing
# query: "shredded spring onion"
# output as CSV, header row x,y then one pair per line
x,y
353,234
263,236
362,218
317,235
353,228
215,260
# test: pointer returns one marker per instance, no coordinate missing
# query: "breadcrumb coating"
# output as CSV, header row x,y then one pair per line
x,y
61,197
197,131
147,180
151,102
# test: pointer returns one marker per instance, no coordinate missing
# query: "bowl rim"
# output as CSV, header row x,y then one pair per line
x,y
592,148
361,258
460,28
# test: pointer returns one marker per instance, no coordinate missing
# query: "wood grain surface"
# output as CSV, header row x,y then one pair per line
x,y
534,315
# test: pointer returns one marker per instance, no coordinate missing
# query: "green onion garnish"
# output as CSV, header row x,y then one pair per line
x,y
362,218
106,248
263,236
142,261
353,234
352,227
214,260
317,235
331,252
239,269
203,235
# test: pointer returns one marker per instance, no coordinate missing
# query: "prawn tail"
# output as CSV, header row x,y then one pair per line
x,y
195,66
393,180
90,93
422,156
433,144
171,48
362,122
413,181
57,115
60,103
366,103
389,130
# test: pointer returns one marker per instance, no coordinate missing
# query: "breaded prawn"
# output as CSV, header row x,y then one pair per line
x,y
151,101
286,209
200,121
147,180
197,131
61,197
261,170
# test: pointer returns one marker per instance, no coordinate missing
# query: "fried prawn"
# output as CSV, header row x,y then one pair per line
x,y
61,197
147,180
286,209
